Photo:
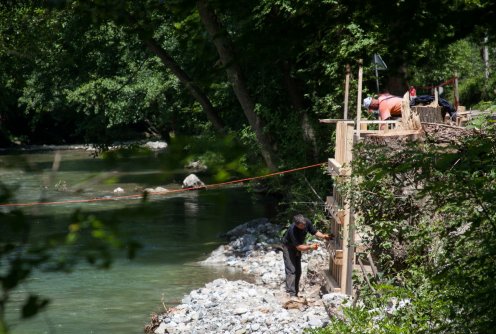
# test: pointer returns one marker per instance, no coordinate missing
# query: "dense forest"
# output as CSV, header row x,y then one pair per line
x,y
265,71
250,80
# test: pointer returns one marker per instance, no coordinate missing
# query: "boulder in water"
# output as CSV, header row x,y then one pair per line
x,y
192,181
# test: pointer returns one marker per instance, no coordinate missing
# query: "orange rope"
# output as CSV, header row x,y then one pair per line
x,y
447,82
138,196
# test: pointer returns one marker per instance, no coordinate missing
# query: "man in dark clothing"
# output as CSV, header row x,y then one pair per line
x,y
293,244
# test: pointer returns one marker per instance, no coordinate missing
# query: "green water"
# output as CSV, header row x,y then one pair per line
x,y
176,231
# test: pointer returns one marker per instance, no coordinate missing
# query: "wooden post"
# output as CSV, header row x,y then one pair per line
x,y
346,91
457,97
349,258
359,97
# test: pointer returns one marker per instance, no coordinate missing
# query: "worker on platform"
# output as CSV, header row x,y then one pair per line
x,y
412,91
293,244
387,106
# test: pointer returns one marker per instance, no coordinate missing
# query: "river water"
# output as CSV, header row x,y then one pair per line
x,y
176,231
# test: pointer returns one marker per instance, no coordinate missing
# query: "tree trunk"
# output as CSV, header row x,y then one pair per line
x,y
235,76
296,99
184,78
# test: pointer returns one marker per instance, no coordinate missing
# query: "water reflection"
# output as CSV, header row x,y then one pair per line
x,y
175,230
191,207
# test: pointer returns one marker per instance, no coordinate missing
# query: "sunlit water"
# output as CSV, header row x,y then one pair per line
x,y
176,231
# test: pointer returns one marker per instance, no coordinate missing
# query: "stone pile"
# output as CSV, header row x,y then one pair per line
x,y
238,307
255,249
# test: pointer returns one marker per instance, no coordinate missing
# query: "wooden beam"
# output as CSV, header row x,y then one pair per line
x,y
336,169
339,214
337,257
331,283
346,91
455,90
334,120
348,252
359,97
380,122
336,261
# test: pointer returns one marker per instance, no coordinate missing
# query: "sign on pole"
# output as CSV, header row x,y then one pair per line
x,y
379,66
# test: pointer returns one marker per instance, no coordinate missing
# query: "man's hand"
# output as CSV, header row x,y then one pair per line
x,y
324,236
327,236
315,246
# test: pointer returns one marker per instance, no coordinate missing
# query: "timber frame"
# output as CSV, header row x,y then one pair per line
x,y
345,247
342,250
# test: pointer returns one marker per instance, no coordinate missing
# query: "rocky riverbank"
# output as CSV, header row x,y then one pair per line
x,y
224,306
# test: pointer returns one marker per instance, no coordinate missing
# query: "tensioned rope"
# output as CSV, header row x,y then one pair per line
x,y
175,191
447,82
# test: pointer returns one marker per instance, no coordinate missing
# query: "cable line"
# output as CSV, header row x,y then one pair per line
x,y
168,192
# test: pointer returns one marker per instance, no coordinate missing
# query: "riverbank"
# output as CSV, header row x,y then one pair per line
x,y
223,306
151,145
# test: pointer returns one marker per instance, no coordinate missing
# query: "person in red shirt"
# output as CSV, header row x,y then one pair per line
x,y
386,105
413,91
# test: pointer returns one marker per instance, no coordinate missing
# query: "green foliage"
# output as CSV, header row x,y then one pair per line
x,y
428,215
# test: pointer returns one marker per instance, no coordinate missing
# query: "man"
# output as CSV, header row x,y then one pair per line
x,y
293,245
386,104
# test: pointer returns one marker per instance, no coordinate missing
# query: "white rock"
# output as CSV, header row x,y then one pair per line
x,y
240,310
118,190
192,181
161,328
156,145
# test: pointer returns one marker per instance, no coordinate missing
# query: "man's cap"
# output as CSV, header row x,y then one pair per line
x,y
367,101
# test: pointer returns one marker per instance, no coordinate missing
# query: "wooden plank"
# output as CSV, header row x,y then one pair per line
x,y
350,140
455,91
337,213
333,167
359,96
331,284
396,133
340,149
380,122
336,169
334,120
347,238
346,91
337,261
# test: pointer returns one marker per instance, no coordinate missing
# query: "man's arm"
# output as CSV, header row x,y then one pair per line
x,y
323,235
318,234
303,248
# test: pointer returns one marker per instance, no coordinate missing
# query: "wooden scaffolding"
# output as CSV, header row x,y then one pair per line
x,y
343,249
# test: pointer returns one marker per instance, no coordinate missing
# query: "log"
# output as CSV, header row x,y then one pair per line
x,y
429,114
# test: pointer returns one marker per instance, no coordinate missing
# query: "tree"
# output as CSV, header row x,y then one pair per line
x,y
236,77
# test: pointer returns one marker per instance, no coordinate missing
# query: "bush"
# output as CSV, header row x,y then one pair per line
x,y
436,203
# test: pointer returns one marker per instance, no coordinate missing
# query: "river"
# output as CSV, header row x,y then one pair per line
x,y
176,231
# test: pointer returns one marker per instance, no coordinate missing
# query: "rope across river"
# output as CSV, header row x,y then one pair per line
x,y
168,192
